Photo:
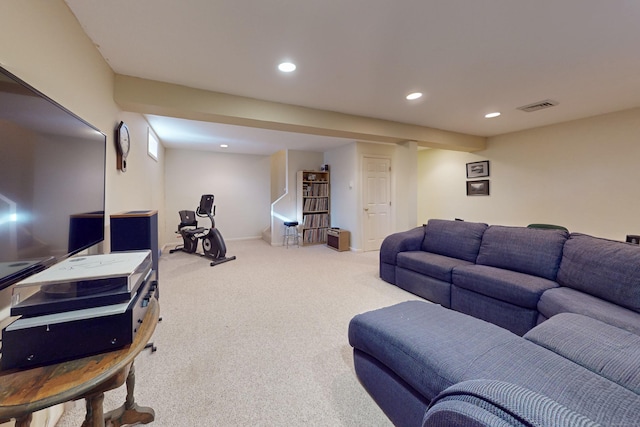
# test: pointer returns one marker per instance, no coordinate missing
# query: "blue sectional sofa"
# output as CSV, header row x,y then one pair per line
x,y
516,277
529,327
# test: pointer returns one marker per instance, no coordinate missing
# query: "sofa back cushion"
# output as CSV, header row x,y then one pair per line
x,y
525,250
455,239
604,268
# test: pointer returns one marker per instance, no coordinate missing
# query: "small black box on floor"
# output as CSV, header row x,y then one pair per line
x,y
632,238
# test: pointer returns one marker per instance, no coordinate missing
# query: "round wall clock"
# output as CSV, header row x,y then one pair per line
x,y
123,144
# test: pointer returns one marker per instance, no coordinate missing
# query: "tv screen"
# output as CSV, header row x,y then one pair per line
x,y
52,181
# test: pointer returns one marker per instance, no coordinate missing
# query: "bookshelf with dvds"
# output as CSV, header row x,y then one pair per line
x,y
313,206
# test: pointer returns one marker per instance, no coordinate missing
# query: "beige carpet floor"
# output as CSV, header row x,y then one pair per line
x,y
259,341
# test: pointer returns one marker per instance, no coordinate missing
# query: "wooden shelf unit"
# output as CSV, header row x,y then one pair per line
x,y
314,207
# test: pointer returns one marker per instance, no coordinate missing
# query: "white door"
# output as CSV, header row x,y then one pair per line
x,y
376,201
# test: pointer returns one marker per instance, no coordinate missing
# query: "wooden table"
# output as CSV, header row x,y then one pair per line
x,y
26,391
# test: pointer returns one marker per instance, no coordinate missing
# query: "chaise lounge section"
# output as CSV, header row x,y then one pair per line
x,y
426,365
527,327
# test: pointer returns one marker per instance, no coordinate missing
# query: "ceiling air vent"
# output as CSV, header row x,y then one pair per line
x,y
538,105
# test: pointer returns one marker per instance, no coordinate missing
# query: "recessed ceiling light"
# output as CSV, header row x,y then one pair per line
x,y
224,146
287,67
492,115
414,95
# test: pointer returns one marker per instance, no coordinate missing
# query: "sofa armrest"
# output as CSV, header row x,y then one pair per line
x,y
484,403
460,413
393,244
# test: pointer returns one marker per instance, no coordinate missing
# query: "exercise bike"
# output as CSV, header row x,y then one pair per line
x,y
212,242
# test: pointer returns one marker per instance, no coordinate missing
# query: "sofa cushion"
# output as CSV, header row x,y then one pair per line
x,y
424,286
605,268
567,300
608,351
525,250
434,265
520,289
455,239
514,318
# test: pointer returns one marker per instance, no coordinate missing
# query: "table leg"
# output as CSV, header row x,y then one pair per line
x,y
24,421
95,414
130,412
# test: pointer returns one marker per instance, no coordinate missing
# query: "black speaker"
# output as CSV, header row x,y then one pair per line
x,y
135,230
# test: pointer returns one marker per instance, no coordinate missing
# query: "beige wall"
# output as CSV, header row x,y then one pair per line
x,y
581,174
42,43
346,185
239,182
278,174
142,186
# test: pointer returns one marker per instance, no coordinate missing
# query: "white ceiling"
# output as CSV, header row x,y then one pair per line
x,y
469,58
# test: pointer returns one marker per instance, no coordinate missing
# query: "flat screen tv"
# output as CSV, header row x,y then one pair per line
x,y
52,181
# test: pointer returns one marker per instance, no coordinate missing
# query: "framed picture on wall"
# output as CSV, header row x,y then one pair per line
x,y
478,169
478,188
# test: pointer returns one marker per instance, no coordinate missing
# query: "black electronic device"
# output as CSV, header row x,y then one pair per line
x,y
633,238
52,181
91,324
43,340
